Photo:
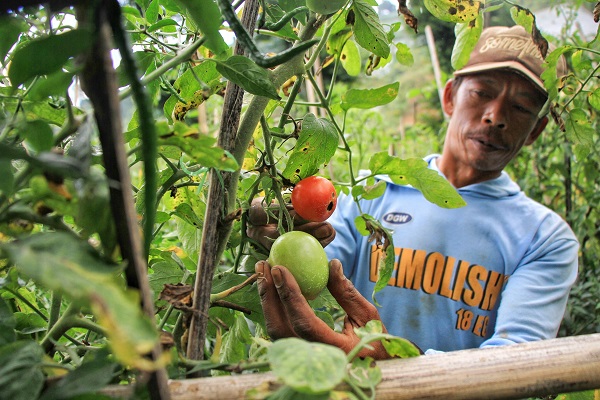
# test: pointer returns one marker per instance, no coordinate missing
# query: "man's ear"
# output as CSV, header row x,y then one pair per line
x,y
448,98
537,130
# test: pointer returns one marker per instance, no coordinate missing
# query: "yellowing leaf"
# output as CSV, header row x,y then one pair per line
x,y
454,10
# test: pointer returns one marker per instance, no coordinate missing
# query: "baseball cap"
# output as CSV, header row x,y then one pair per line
x,y
510,48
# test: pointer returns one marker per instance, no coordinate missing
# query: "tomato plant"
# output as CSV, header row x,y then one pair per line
x,y
205,128
314,198
305,258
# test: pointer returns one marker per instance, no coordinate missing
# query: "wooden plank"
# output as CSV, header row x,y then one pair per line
x,y
510,372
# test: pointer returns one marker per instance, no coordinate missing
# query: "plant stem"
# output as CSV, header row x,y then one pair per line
x,y
325,105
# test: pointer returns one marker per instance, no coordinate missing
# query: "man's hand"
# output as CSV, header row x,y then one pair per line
x,y
264,229
288,314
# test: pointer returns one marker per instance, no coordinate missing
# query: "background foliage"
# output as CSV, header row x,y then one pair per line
x,y
365,96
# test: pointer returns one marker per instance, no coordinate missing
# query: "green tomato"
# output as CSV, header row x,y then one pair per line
x,y
305,258
325,6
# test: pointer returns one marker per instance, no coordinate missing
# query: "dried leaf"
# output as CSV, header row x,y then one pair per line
x,y
409,17
179,295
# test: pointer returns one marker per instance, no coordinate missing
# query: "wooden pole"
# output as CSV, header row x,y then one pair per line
x,y
437,72
517,371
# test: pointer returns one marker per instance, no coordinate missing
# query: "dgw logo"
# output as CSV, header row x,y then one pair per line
x,y
397,218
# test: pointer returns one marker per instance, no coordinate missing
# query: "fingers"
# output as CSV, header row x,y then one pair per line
x,y
359,309
262,227
264,234
301,316
276,321
322,231
258,215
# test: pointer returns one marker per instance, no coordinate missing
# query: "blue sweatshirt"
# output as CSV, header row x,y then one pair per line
x,y
495,272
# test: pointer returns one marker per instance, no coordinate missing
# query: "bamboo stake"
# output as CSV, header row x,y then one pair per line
x,y
518,371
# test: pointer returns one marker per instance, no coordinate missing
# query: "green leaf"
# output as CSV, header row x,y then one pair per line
x,y
207,18
369,191
94,214
274,14
47,55
386,263
201,148
7,324
11,26
350,58
246,297
249,76
165,25
369,98
394,345
365,373
454,10
337,40
317,143
523,17
55,84
594,99
164,271
400,347
549,76
235,342
404,55
195,86
61,262
28,323
90,377
7,178
307,367
580,132
152,12
21,377
38,135
415,172
368,32
186,213
467,35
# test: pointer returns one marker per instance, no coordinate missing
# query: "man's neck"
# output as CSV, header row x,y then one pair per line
x,y
460,175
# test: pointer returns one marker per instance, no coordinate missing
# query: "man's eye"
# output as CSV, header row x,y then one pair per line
x,y
480,93
523,109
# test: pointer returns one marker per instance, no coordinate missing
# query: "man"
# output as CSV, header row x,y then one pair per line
x,y
495,272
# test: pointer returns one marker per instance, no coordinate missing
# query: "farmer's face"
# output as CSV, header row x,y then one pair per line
x,y
492,116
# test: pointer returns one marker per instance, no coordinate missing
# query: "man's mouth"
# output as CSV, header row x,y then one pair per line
x,y
486,144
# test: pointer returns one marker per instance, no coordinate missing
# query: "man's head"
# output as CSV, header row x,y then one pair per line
x,y
494,104
509,48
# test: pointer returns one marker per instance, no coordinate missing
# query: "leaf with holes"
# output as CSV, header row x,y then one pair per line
x,y
580,132
415,172
368,31
316,145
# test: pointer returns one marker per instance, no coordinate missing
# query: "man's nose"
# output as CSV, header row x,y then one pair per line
x,y
495,114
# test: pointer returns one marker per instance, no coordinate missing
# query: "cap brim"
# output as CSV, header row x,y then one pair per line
x,y
512,65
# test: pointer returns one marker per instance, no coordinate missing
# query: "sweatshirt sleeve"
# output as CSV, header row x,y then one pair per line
x,y
534,299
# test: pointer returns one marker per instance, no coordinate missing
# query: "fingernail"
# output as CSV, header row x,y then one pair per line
x,y
259,267
276,274
339,271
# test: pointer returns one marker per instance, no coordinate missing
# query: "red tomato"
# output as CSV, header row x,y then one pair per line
x,y
314,198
